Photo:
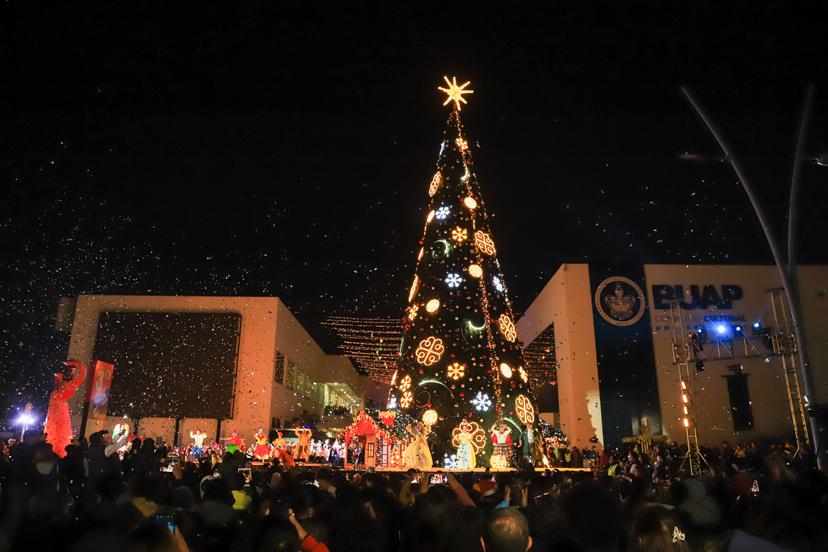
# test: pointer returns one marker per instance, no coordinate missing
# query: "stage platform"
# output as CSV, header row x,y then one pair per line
x,y
481,470
311,465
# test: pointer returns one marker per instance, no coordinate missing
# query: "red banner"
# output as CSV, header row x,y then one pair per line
x,y
99,385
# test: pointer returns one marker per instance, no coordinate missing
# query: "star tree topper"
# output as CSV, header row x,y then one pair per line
x,y
455,92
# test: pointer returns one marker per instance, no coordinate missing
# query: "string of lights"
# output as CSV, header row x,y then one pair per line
x,y
372,343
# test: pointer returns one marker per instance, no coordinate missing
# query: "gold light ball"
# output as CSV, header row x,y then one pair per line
x,y
430,417
506,370
470,202
432,305
475,271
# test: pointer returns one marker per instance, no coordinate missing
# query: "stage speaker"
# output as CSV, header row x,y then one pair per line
x,y
65,314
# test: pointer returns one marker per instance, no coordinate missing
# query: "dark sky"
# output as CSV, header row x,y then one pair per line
x,y
179,148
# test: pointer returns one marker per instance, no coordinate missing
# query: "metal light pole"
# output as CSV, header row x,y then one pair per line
x,y
784,271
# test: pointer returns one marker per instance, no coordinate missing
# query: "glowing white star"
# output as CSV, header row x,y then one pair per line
x,y
455,92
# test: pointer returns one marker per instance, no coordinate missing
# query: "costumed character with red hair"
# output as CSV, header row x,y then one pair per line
x,y
262,449
502,445
58,424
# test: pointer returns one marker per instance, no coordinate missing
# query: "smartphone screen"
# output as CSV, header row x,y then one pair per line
x,y
167,520
438,479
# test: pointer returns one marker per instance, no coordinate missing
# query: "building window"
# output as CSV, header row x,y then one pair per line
x,y
291,374
740,406
280,368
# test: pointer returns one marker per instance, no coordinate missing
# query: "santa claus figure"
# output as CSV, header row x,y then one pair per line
x,y
58,424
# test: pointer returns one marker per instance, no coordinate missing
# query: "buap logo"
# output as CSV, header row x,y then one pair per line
x,y
620,301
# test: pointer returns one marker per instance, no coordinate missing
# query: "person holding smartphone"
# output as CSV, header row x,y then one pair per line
x,y
308,543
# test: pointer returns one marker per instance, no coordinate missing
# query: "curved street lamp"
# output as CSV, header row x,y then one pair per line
x,y
786,271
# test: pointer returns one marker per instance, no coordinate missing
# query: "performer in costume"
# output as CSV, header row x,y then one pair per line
x,y
58,424
262,450
281,454
502,445
234,442
198,438
302,452
417,454
466,458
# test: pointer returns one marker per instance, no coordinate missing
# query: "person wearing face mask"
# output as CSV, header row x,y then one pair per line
x,y
49,496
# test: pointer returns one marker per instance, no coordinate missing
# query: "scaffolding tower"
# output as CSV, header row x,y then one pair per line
x,y
682,360
783,341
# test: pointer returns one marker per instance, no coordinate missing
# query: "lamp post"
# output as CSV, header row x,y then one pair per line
x,y
786,271
25,420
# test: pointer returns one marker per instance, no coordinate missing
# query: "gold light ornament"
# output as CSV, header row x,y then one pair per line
x,y
506,370
478,436
524,409
430,216
430,417
459,234
475,271
484,242
456,370
412,312
432,305
524,375
405,383
406,399
414,285
436,182
421,253
454,92
470,202
429,350
462,145
507,327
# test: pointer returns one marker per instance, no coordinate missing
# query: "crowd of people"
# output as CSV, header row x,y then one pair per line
x,y
93,499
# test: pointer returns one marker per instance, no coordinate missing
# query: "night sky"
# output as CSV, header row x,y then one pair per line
x,y
178,148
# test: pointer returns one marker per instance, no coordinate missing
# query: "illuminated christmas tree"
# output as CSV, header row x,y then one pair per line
x,y
459,357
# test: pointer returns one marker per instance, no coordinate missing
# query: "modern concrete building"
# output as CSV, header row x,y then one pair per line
x,y
272,369
612,334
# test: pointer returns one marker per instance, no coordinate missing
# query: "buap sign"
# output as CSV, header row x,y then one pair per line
x,y
696,296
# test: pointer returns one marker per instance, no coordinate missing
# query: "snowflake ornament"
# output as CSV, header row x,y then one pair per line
x,y
459,234
442,213
481,402
456,370
450,462
524,375
453,280
392,403
406,399
498,284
